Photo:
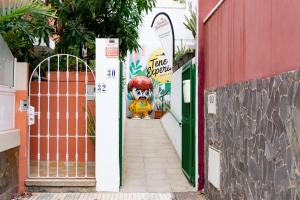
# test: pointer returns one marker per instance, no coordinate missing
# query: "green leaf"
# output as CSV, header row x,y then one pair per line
x,y
26,7
131,70
139,67
75,24
137,63
141,73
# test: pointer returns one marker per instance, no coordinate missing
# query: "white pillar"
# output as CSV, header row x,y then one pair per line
x,y
107,115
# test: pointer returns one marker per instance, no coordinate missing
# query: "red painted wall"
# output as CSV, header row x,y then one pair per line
x,y
250,39
21,123
205,7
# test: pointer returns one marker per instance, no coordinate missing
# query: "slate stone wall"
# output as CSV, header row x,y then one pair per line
x,y
8,173
257,130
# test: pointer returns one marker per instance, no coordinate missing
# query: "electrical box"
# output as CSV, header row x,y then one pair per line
x,y
214,167
212,103
23,105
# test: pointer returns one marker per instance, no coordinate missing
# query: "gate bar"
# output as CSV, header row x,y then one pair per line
x,y
39,117
48,119
76,155
57,118
67,121
86,116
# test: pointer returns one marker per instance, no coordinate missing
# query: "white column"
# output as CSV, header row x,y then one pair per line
x,y
107,115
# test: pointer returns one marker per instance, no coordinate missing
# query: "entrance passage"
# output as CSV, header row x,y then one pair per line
x,y
150,162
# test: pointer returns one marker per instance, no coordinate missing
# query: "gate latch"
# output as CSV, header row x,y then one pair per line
x,y
31,115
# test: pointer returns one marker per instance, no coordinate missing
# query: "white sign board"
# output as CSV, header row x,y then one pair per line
x,y
214,167
186,91
107,115
212,103
163,30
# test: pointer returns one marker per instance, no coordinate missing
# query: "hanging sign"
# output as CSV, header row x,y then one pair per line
x,y
163,29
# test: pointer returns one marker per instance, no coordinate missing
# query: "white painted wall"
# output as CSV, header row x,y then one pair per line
x,y
173,130
176,94
7,108
7,62
9,139
177,15
169,121
10,136
107,120
21,82
7,91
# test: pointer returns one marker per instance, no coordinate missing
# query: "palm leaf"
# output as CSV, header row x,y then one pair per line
x,y
191,23
23,7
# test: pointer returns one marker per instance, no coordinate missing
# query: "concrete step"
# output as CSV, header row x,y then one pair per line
x,y
119,195
60,185
103,196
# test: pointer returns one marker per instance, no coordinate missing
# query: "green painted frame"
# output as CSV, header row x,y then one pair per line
x,y
190,155
121,122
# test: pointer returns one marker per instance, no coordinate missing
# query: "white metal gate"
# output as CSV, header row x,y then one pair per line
x,y
61,117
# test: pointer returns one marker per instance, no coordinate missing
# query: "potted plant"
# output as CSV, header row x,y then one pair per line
x,y
161,108
158,113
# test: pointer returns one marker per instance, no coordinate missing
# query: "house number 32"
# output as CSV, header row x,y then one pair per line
x,y
101,88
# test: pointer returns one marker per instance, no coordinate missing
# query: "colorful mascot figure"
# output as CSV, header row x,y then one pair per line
x,y
140,89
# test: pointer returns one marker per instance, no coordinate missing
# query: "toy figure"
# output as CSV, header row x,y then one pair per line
x,y
140,89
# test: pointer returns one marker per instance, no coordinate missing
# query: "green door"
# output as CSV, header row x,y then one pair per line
x,y
188,123
121,122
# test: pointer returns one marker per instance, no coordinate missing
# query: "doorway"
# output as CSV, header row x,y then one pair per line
x,y
188,121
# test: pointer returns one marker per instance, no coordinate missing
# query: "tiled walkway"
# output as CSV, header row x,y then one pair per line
x,y
115,196
150,163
